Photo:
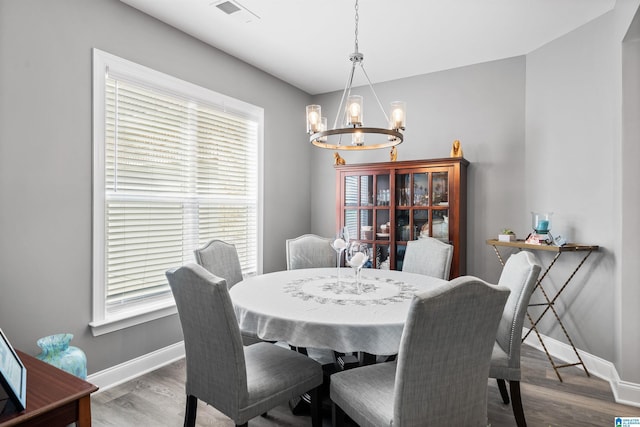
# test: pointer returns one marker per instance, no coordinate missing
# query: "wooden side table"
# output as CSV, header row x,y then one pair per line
x,y
55,398
549,303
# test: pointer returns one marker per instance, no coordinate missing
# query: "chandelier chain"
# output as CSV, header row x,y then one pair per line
x,y
356,30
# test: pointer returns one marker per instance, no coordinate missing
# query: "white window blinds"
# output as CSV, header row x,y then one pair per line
x,y
178,172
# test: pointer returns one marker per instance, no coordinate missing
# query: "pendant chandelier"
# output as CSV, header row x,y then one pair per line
x,y
350,110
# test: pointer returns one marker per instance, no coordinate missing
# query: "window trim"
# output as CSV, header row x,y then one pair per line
x,y
104,63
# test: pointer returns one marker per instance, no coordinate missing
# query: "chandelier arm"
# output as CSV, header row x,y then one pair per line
x,y
374,93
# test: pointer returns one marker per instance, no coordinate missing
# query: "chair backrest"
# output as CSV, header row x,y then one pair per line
x,y
221,259
428,256
520,274
310,251
216,369
445,353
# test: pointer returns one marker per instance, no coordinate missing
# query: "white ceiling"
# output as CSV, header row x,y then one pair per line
x,y
307,43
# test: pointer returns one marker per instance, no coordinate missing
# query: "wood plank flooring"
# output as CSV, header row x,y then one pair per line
x,y
157,399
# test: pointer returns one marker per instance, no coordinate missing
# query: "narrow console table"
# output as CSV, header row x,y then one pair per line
x,y
55,398
549,300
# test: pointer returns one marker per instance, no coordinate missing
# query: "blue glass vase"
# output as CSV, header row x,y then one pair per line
x,y
56,351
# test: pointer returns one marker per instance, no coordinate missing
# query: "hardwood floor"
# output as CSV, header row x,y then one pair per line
x,y
157,399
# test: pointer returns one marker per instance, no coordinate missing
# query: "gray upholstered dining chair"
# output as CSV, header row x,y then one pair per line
x,y
520,274
241,382
440,375
428,256
221,259
310,251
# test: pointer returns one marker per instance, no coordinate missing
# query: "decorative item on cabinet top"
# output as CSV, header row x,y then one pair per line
x,y
456,149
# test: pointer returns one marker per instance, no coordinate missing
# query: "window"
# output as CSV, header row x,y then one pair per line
x,y
175,165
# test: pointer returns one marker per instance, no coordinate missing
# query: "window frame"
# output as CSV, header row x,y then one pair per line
x,y
103,63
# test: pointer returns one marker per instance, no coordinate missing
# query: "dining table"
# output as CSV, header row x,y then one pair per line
x,y
312,308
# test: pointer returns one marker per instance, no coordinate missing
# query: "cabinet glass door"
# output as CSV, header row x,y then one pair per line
x,y
403,225
440,184
440,211
351,190
403,190
440,225
421,189
366,224
382,260
367,200
421,223
421,208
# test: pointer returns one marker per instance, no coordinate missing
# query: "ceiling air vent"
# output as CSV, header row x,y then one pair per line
x,y
236,11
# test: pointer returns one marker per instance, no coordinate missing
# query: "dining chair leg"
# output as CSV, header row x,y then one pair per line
x,y
301,350
316,407
503,390
516,403
190,411
337,415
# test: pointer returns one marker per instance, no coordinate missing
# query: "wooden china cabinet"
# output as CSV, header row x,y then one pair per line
x,y
385,205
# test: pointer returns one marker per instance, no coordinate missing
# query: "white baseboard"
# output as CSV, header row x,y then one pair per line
x,y
624,392
131,369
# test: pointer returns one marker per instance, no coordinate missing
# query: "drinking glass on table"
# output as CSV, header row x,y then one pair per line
x,y
339,245
357,256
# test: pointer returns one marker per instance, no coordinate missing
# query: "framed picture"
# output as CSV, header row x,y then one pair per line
x,y
13,375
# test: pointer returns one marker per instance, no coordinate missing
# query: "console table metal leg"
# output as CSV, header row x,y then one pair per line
x,y
499,256
550,305
533,328
544,294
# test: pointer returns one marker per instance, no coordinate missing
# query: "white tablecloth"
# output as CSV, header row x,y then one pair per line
x,y
307,308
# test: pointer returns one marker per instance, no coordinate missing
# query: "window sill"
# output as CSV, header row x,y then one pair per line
x,y
132,317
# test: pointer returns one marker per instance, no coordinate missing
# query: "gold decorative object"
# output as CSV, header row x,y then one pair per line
x,y
393,154
456,149
337,160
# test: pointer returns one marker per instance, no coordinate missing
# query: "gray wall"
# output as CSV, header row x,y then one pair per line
x,y
45,161
629,336
482,106
575,167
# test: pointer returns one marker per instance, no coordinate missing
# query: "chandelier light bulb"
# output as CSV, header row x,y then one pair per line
x,y
313,118
354,111
323,127
357,139
398,115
